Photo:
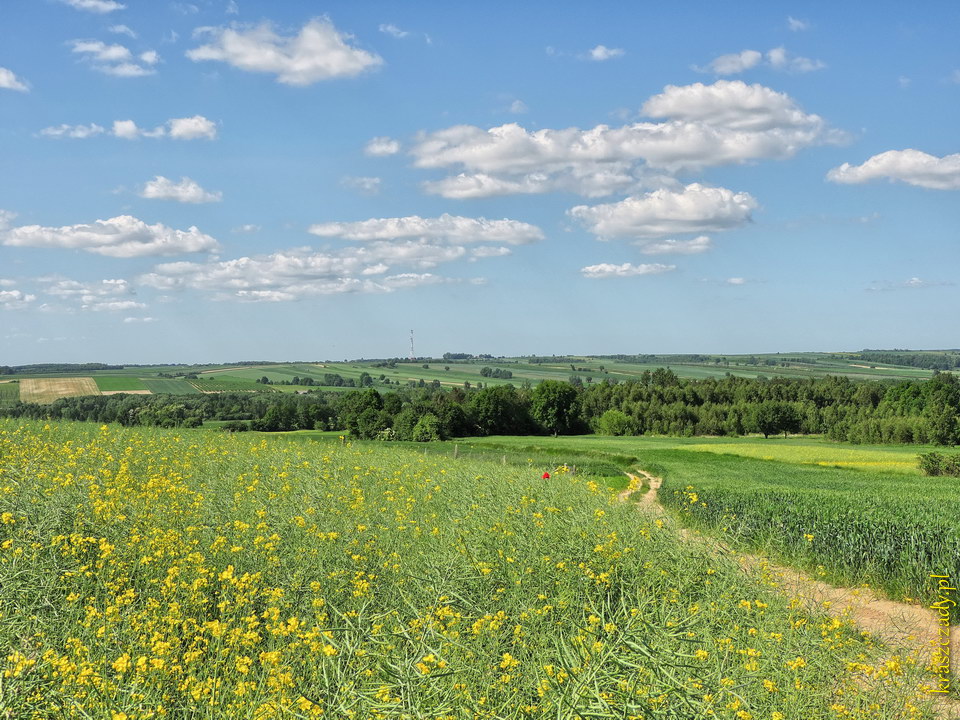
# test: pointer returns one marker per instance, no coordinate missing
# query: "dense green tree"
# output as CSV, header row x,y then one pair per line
x,y
427,429
554,406
499,410
615,422
772,417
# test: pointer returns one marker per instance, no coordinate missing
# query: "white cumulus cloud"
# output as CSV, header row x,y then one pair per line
x,y
488,251
602,52
727,122
73,131
695,246
446,228
696,208
139,319
796,24
122,30
190,128
293,274
609,270
735,62
123,236
184,191
100,7
381,146
101,52
15,299
110,295
734,105
9,81
116,60
780,59
777,58
913,167
318,52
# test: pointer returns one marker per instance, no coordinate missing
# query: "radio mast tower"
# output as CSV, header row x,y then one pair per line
x,y
413,355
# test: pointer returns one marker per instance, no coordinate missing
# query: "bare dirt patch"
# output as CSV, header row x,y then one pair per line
x,y
46,390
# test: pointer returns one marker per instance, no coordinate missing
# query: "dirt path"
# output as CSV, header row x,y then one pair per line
x,y
900,625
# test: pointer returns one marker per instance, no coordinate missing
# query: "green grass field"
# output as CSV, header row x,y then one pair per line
x,y
118,383
169,386
9,393
149,573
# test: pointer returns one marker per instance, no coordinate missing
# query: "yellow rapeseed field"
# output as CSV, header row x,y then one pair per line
x,y
151,574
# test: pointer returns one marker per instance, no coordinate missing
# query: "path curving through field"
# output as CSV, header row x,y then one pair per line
x,y
899,625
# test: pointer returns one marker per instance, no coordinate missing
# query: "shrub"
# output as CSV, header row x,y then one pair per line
x,y
939,464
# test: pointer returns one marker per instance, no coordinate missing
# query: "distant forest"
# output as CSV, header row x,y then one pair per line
x,y
658,403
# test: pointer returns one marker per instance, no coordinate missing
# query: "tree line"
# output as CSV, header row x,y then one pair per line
x,y
657,403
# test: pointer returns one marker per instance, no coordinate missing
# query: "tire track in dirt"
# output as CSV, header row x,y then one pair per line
x,y
899,625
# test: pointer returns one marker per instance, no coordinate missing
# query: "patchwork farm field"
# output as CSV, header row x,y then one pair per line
x,y
120,383
453,373
158,573
227,383
169,386
46,390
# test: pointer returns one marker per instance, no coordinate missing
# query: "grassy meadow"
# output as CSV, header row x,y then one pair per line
x,y
157,573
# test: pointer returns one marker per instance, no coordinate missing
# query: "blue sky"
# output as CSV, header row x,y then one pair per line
x,y
209,180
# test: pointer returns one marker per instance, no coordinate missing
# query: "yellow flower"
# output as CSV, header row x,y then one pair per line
x,y
508,661
122,664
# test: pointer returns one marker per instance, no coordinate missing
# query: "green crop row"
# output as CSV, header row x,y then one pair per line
x,y
886,529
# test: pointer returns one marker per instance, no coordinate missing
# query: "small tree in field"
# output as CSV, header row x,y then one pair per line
x,y
771,418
